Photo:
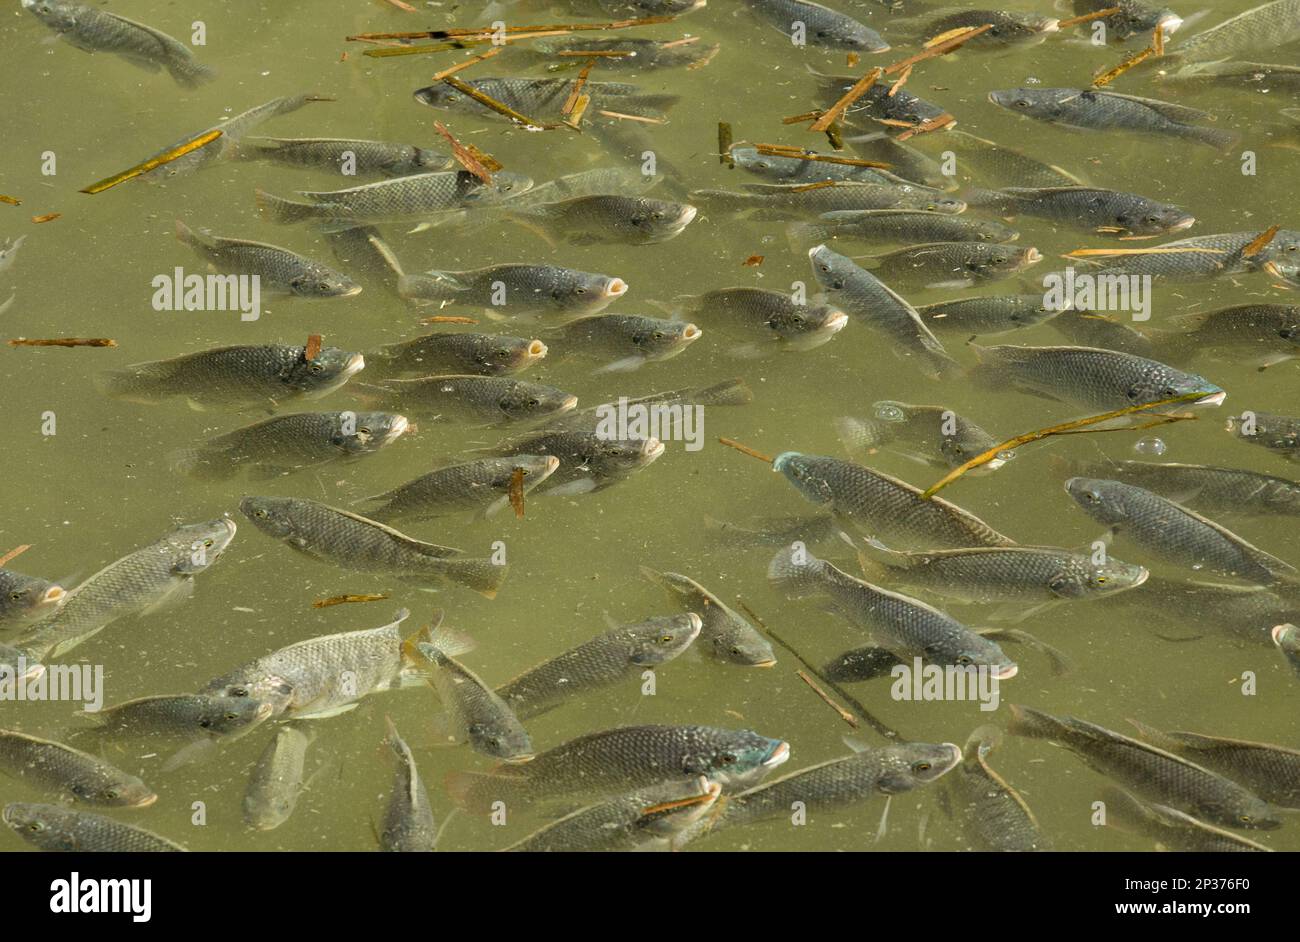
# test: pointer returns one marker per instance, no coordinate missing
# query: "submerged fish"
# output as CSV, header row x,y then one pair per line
x,y
185,716
606,659
544,291
642,54
1007,27
882,101
724,635
1173,533
904,626
891,510
1005,166
774,318
1280,434
1205,487
1262,27
1212,256
1093,208
96,30
227,145
277,270
67,771
1270,771
481,486
589,460
782,169
473,712
952,264
356,543
1287,639
1102,110
23,598
1130,18
933,435
605,218
236,377
817,25
644,819
1150,772
795,201
408,817
625,341
1084,328
899,226
322,676
480,354
287,443
58,828
475,400
992,815
145,580
278,779
989,314
341,155
1271,331
621,759
543,99
1091,377
1173,829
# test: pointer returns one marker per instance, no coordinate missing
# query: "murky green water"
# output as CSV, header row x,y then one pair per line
x,y
101,486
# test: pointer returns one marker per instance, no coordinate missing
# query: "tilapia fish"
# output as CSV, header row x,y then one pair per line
x,y
1104,110
408,818
482,486
278,779
63,770
356,543
818,25
522,291
724,634
362,158
277,270
482,354
992,815
58,828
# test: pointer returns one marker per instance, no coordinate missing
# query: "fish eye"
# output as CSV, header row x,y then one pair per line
x,y
824,267
658,335
316,368
665,639
239,691
363,430
726,759
1022,102
231,715
963,660
922,767
207,542
534,402
580,290
1246,819
1092,497
112,794
1169,392
15,596
259,513
205,723
1101,580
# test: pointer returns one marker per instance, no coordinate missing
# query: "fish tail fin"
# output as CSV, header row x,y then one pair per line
x,y
482,575
731,392
428,287
190,73
1032,724
795,570
187,236
278,209
196,463
1154,736
1215,137
801,235
476,792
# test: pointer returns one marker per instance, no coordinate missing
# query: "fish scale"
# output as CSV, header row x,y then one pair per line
x,y
56,828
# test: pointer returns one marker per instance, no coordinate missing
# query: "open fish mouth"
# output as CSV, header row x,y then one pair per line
x,y
778,756
836,322
1005,671
616,288
536,350
1211,399
691,332
400,426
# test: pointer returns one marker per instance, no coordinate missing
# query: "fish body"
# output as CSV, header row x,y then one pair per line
x,y
481,486
480,354
1280,434
278,779
226,146
773,317
899,226
523,291
724,634
818,25
66,771
57,828
797,201
475,400
992,814
1270,771
607,219
589,460
988,314
1171,828
934,435
408,818
625,341
1099,110
953,264
543,99
1092,208
185,716
1130,18
1207,488
645,54
363,158
278,270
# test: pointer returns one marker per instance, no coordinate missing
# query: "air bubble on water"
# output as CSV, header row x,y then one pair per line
x,y
1033,81
1151,446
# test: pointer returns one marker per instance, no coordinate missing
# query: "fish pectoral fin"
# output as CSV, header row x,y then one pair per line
x,y
327,712
182,590
196,751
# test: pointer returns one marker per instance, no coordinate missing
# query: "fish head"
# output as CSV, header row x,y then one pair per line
x,y
907,765
319,281
115,790
225,716
196,546
324,373
361,433
581,292
1043,103
27,597
936,203
808,473
800,323
847,33
1248,811
46,826
505,185
56,14
1147,218
748,158
742,646
735,757
424,160
1287,638
1156,382
1104,501
505,355
658,220
619,456
657,339
255,684
1021,27
442,95
274,516
972,652
533,402
832,270
657,640
990,230
502,740
536,469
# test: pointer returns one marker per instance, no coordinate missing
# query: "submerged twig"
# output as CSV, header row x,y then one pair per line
x,y
845,715
64,342
14,553
1087,17
745,449
346,599
166,157
860,87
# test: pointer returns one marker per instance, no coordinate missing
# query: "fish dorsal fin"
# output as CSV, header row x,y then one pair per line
x,y
1166,109
427,549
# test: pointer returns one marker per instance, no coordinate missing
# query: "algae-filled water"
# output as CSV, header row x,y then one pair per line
x,y
90,478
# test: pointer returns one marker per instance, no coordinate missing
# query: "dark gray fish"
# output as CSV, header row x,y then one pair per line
x,y
286,443
877,102
1091,377
906,627
236,377
633,9
781,169
774,318
1269,331
1005,166
605,219
278,779
1245,612
278,270
416,198
1023,574
66,771
1287,639
933,435
1253,75
1171,532
517,290
865,297
992,815
363,249
898,226
1170,828
145,580
1205,487
58,828
481,486
1270,771
226,146
725,635
1102,110
1008,28
990,314
649,818
408,816
646,54
1086,328
796,201
95,30
589,460
355,543
952,264
1132,18
872,771
364,158
1262,27
543,99
884,507
817,25
474,400
23,598
625,342
1150,772
480,354
1280,434
604,660
1212,256
903,159
1109,212
472,711
621,759
326,675
181,715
